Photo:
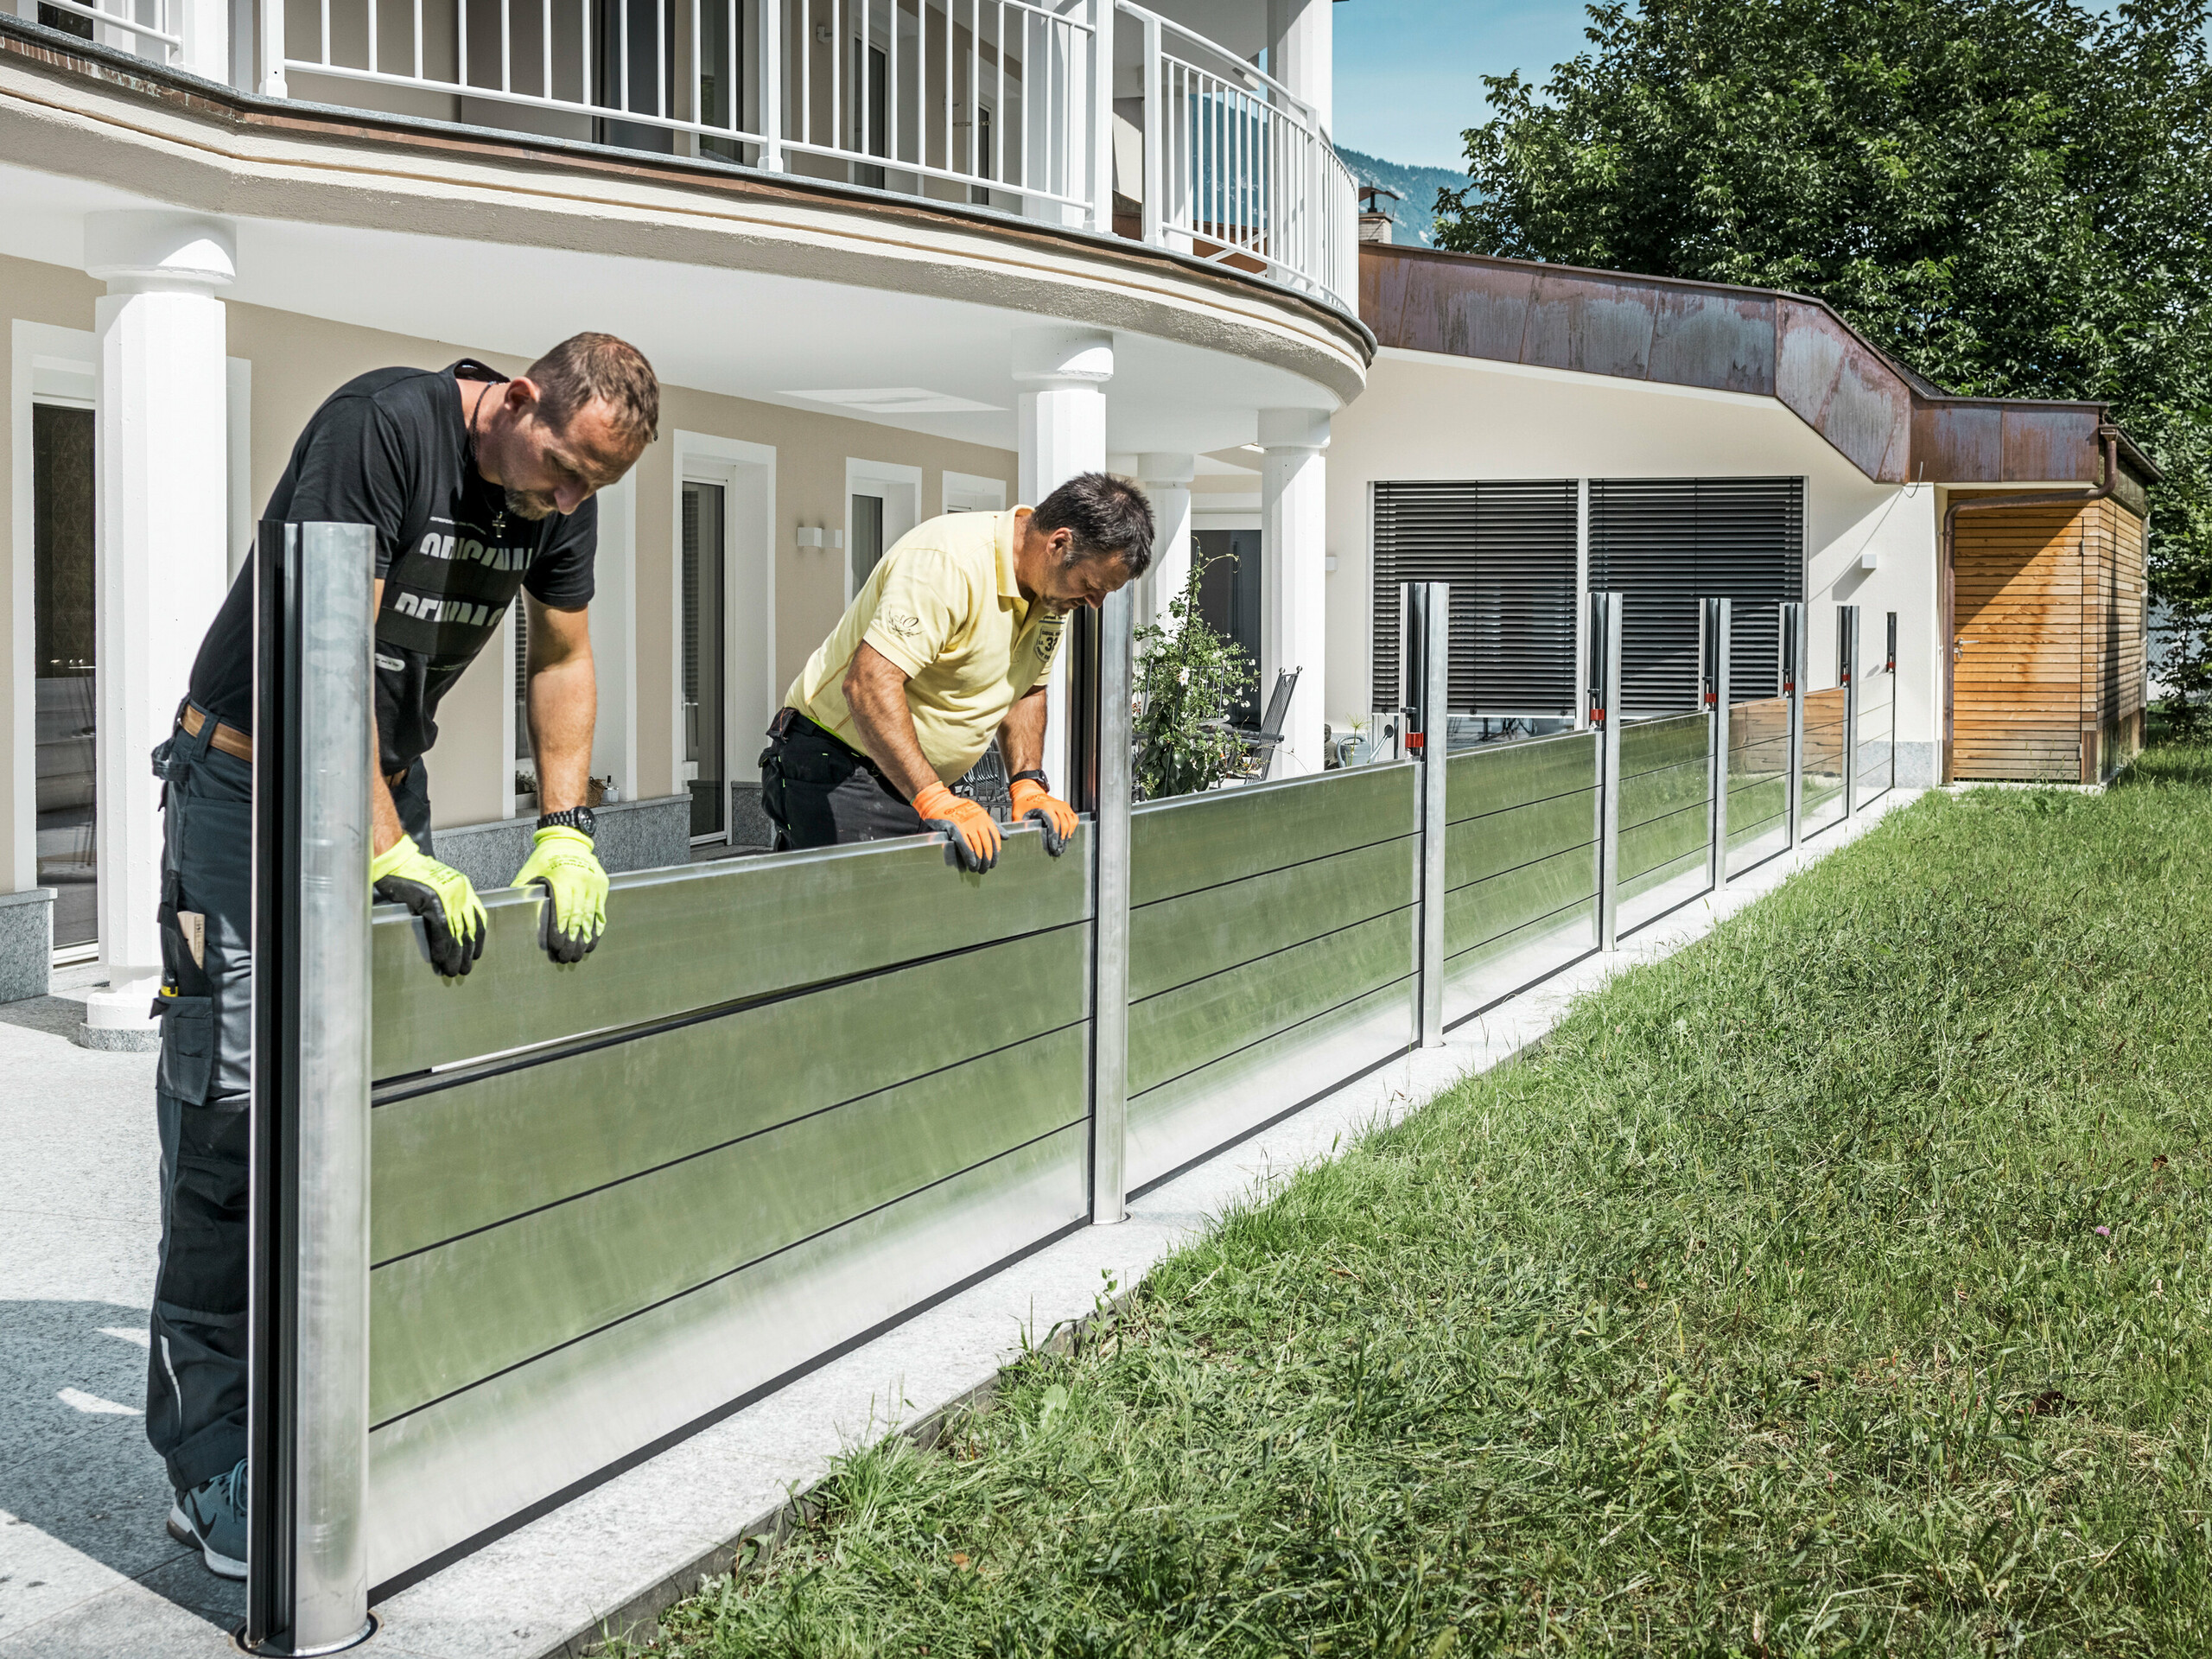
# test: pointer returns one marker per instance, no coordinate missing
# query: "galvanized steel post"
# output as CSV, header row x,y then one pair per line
x,y
1718,627
1846,652
1110,977
1605,717
1425,647
307,1582
1792,642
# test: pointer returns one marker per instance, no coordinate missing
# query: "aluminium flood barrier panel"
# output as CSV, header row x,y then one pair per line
x,y
1272,940
1828,732
1876,730
1521,866
784,1101
1758,782
1666,814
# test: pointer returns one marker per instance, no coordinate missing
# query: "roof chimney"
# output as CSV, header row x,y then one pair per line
x,y
1375,221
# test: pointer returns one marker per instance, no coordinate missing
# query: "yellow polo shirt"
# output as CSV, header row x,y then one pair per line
x,y
943,605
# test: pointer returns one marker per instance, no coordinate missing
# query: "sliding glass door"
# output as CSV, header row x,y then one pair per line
x,y
61,580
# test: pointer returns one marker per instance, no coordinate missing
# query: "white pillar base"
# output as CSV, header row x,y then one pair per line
x,y
1293,590
117,1018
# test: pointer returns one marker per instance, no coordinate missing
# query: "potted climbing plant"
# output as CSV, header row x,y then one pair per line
x,y
1188,677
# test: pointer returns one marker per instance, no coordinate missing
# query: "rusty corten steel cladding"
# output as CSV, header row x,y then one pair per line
x,y
1891,423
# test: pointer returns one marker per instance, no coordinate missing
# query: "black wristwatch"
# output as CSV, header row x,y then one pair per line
x,y
577,817
1036,777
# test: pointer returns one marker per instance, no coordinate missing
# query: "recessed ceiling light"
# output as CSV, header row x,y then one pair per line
x,y
897,400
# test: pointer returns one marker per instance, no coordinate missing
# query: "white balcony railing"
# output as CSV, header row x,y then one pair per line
x,y
1004,103
1238,169
978,99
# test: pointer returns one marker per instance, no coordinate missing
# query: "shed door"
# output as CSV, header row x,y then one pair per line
x,y
2018,605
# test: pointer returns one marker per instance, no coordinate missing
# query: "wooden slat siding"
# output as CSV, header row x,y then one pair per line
x,y
2025,585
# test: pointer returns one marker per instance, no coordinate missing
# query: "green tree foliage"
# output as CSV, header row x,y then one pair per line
x,y
1188,677
2014,197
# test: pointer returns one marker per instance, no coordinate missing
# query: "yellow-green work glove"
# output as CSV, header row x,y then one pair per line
x,y
452,914
574,912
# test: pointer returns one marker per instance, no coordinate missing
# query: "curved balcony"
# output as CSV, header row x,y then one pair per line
x,y
1098,114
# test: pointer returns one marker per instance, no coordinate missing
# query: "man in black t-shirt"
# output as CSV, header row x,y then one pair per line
x,y
478,487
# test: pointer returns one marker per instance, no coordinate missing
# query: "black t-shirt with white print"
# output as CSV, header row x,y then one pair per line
x,y
392,449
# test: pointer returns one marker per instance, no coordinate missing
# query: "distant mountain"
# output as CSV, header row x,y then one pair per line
x,y
1418,185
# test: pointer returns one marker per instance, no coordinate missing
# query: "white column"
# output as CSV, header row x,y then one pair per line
x,y
1167,480
1293,517
162,478
1061,374
1300,45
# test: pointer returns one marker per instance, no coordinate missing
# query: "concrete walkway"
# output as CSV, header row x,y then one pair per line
x,y
86,1571
86,1567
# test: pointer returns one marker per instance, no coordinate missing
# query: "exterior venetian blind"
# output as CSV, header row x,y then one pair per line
x,y
1508,549
1667,543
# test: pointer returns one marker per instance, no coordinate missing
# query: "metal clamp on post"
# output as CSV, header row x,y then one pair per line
x,y
1719,625
307,1353
1110,977
1605,693
1791,623
1846,660
1425,679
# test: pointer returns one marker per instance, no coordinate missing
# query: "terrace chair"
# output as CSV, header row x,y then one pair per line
x,y
1256,747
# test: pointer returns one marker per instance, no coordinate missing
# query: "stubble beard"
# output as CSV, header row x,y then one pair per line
x,y
532,505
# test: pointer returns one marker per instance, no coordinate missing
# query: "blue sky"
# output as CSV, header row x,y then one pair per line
x,y
1409,72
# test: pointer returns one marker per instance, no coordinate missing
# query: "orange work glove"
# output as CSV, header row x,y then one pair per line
x,y
1033,800
969,828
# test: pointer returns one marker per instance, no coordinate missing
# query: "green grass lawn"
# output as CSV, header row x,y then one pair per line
x,y
1837,1286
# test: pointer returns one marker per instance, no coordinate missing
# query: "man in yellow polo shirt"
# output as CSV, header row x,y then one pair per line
x,y
949,645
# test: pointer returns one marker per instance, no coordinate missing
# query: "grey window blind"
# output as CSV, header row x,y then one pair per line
x,y
1507,547
1667,543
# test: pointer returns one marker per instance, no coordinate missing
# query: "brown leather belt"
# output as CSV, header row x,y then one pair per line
x,y
228,739
232,741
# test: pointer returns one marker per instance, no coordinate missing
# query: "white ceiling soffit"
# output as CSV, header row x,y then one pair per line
x,y
897,400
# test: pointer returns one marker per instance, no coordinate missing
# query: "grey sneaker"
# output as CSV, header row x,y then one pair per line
x,y
212,1515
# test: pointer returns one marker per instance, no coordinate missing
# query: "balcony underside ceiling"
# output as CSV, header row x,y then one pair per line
x,y
740,333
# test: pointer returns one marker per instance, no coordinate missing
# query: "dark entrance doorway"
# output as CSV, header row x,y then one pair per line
x,y
1229,599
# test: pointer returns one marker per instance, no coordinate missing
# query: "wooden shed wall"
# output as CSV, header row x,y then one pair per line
x,y
2048,607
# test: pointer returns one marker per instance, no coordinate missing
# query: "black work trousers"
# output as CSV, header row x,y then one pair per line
x,y
195,1383
818,793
